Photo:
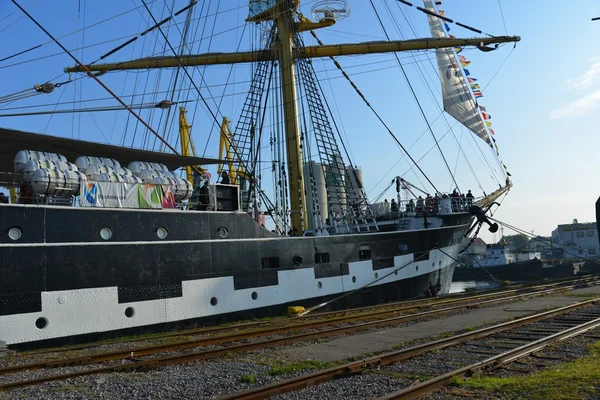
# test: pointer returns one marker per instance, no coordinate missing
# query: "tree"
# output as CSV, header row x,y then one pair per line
x,y
518,242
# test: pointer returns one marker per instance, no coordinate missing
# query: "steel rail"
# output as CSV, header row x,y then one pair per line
x,y
491,363
355,367
188,344
477,295
207,354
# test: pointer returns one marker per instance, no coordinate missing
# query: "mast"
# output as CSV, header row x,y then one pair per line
x,y
284,22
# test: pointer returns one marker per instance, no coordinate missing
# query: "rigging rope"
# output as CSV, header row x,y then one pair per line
x,y
502,14
394,271
485,161
492,277
156,25
425,11
214,117
416,98
375,112
537,238
90,73
436,73
143,106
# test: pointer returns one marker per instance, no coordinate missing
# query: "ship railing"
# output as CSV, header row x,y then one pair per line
x,y
432,206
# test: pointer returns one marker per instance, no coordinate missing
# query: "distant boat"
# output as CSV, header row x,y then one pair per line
x,y
502,263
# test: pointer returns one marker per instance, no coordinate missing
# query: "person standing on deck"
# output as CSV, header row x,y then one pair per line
x,y
469,197
225,178
204,200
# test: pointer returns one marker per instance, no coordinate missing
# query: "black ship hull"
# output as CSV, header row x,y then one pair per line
x,y
81,273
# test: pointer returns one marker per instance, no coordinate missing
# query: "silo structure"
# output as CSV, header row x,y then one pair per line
x,y
314,171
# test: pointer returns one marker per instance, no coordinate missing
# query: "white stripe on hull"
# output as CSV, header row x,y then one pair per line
x,y
77,312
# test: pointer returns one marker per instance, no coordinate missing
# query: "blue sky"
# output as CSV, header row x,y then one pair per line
x,y
542,100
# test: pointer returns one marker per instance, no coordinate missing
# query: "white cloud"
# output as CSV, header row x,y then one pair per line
x,y
589,78
586,103
580,106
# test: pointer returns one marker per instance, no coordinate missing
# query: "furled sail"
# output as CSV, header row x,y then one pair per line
x,y
459,101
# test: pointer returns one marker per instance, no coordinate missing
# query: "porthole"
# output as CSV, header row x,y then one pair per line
x,y
15,233
213,301
433,264
129,312
376,275
106,233
162,232
297,259
41,323
319,285
417,268
254,295
396,272
353,279
439,263
222,232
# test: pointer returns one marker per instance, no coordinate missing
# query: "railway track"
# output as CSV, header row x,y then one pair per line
x,y
131,356
569,328
361,313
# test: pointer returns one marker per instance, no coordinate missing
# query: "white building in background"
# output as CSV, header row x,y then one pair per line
x,y
539,243
578,240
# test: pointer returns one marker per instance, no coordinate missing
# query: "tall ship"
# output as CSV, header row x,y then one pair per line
x,y
119,223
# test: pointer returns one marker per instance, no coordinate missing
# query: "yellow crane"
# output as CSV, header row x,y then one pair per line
x,y
227,148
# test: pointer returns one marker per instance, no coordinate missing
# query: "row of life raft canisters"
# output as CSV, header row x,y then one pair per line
x,y
52,174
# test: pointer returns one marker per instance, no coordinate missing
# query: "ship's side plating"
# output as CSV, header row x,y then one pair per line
x,y
76,271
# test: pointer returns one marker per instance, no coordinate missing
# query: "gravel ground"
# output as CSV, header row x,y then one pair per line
x,y
366,386
206,381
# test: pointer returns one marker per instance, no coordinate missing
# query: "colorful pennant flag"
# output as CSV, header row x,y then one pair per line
x,y
488,123
467,73
492,132
482,108
471,80
458,49
475,86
